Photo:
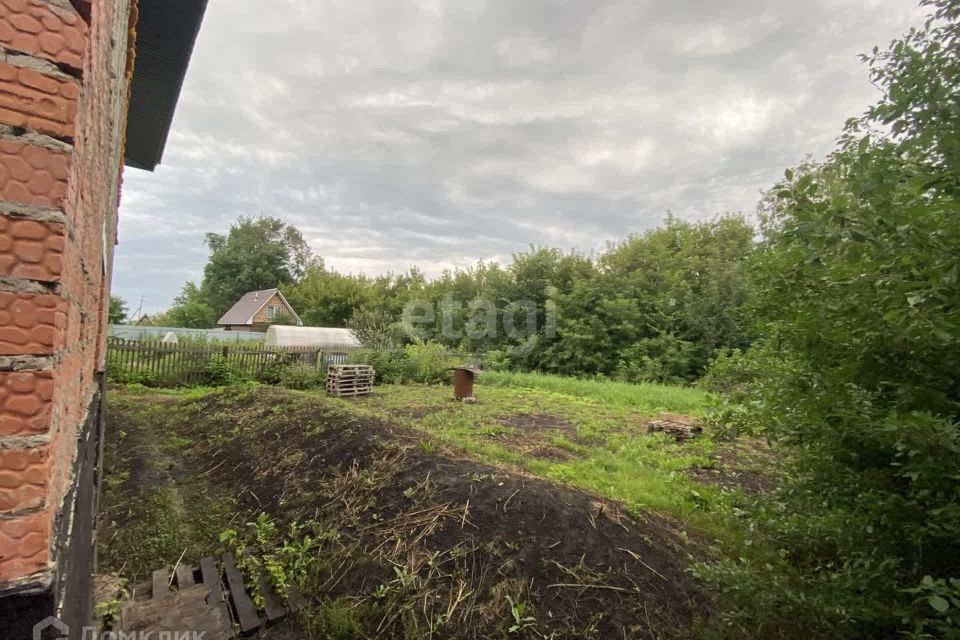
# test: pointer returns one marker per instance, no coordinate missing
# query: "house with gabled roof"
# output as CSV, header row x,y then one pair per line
x,y
257,310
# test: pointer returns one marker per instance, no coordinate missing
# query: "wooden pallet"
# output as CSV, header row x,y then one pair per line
x,y
211,598
350,379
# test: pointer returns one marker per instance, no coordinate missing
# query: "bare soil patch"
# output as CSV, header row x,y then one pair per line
x,y
532,434
466,535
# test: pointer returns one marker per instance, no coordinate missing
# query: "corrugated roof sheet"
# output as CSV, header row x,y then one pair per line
x,y
166,31
242,312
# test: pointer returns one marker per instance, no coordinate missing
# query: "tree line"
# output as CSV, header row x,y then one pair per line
x,y
654,307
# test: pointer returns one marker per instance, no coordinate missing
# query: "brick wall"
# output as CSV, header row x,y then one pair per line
x,y
63,92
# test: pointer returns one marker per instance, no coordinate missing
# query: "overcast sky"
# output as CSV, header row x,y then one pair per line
x,y
441,132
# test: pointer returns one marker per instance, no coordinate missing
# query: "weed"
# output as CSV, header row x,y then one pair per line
x,y
285,560
109,610
518,612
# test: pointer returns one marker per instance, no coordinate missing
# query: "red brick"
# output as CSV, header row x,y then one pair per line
x,y
31,99
31,174
24,544
39,321
37,28
21,459
32,468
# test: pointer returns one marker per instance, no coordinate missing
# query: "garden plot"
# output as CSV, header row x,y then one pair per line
x,y
393,531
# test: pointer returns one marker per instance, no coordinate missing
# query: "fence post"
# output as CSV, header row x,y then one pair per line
x,y
226,351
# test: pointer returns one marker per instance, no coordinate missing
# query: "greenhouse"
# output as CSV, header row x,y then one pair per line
x,y
326,338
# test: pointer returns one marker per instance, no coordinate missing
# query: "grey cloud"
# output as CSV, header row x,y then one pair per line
x,y
438,133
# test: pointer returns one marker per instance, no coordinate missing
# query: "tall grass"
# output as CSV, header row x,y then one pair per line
x,y
645,397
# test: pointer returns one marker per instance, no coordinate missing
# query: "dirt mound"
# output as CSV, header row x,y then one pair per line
x,y
430,545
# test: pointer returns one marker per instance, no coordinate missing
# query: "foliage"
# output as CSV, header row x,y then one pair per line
x,y
684,279
120,373
219,371
857,289
390,365
664,358
654,307
375,328
300,376
109,610
520,620
271,372
428,362
257,253
117,313
326,298
285,560
732,371
189,310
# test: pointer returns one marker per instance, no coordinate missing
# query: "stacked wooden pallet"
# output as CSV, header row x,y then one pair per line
x,y
350,379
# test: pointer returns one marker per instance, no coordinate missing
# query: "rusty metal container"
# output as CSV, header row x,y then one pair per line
x,y
463,382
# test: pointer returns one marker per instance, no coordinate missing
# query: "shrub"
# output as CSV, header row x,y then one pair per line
x,y
219,371
856,287
272,371
732,371
390,365
497,360
121,373
428,362
665,359
300,376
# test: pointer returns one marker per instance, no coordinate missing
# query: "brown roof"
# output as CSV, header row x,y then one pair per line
x,y
246,307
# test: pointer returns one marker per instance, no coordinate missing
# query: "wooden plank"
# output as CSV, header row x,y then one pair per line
x,y
244,606
210,573
185,576
187,609
272,604
160,581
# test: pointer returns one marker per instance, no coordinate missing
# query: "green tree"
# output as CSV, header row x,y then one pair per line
x,y
190,310
664,301
325,298
257,253
117,313
858,294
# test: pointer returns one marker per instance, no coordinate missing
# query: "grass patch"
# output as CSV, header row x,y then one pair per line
x,y
152,507
584,433
646,398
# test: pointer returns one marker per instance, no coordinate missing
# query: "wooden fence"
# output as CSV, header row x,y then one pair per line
x,y
165,364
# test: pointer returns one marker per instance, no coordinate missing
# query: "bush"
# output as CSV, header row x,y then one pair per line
x,y
121,374
427,362
497,360
665,359
219,371
390,365
301,376
856,288
272,372
732,371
